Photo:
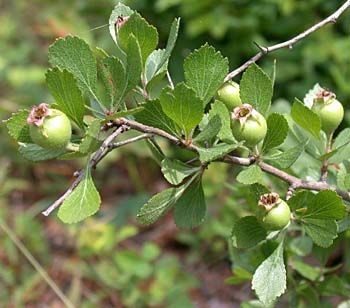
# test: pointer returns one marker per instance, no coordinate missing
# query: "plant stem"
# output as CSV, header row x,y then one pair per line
x,y
324,170
35,264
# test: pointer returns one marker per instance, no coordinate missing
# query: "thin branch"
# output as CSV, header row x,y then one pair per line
x,y
116,145
289,44
37,266
81,173
124,123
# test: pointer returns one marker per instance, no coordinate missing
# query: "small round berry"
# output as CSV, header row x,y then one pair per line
x,y
248,125
273,212
49,128
229,95
329,109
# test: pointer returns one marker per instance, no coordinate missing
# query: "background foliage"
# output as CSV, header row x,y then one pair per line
x,y
28,28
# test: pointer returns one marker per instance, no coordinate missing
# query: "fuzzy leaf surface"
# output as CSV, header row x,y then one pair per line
x,y
64,89
205,70
256,89
83,202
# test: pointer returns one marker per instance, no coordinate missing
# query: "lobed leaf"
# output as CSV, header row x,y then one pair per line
x,y
321,231
63,88
325,205
205,70
83,202
270,279
18,128
255,89
252,174
153,115
145,34
183,106
74,54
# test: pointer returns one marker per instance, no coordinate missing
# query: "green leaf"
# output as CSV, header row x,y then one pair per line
x,y
91,142
18,128
205,70
68,97
277,131
321,231
306,118
288,157
300,200
190,209
301,246
153,115
309,272
225,133
210,154
73,54
257,190
210,131
83,202
170,43
183,106
133,65
159,204
343,178
247,232
341,147
270,279
255,89
119,80
152,73
176,171
157,62
33,152
114,79
333,286
120,10
146,35
325,205
252,174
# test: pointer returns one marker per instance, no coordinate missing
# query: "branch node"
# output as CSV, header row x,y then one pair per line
x,y
263,49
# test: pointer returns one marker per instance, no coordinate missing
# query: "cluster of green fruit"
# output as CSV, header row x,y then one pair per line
x,y
51,129
250,126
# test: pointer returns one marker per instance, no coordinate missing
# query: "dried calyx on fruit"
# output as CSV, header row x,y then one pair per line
x,y
49,128
273,212
329,109
248,125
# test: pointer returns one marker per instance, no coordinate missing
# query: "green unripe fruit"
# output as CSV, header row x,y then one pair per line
x,y
229,95
49,128
273,213
330,111
248,125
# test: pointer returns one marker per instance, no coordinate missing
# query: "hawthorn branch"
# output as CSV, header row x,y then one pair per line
x,y
332,19
124,124
81,173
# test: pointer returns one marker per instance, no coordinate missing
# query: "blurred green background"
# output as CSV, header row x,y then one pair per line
x,y
110,260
